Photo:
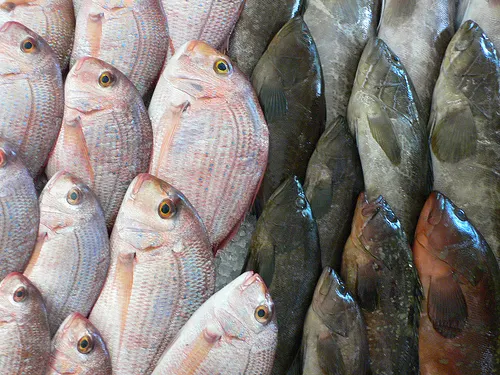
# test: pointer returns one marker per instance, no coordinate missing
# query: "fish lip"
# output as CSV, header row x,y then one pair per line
x,y
254,278
437,209
370,208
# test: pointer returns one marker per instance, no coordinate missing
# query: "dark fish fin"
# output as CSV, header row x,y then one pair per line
x,y
261,256
330,357
446,306
273,99
322,198
454,137
366,287
383,132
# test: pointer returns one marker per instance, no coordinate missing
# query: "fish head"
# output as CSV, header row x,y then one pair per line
x,y
379,60
249,314
201,71
290,194
20,300
78,344
67,201
12,169
22,51
154,214
94,85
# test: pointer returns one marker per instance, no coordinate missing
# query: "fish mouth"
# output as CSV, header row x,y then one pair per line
x,y
254,278
436,208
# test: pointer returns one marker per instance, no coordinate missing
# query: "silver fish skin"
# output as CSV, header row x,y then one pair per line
x,y
386,118
31,92
161,272
130,35
333,182
486,13
24,328
418,32
19,212
53,20
465,138
334,340
341,29
233,333
71,256
259,22
78,349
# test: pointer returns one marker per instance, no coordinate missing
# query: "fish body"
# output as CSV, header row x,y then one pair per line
x,y
386,118
210,137
418,32
19,212
459,326
106,136
289,83
285,251
161,271
486,14
378,270
465,138
334,340
210,21
333,182
24,328
31,92
130,35
78,349
233,333
341,29
257,25
53,20
71,256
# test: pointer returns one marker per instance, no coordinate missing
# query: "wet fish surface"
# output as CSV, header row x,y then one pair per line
x,y
53,20
333,183
334,339
131,36
418,32
391,135
486,14
236,323
285,251
18,210
106,134
465,142
161,272
31,93
341,29
459,327
71,256
78,348
378,270
257,25
24,332
210,137
289,84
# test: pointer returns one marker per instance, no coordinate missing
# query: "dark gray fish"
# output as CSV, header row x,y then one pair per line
x,y
378,268
285,252
484,12
341,29
334,181
259,22
288,81
386,118
465,130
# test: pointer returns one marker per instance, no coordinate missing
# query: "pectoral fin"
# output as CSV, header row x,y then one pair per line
x,y
273,100
366,287
329,356
383,132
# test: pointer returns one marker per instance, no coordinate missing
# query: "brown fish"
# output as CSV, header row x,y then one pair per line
x,y
78,349
24,328
459,326
31,94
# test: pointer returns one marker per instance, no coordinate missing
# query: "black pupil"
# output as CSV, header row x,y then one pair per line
x,y
105,79
165,209
28,45
84,344
19,293
261,313
73,196
221,66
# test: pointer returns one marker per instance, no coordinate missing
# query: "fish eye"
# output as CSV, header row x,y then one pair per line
x,y
20,294
106,79
74,196
85,344
460,214
395,58
391,217
166,209
28,45
262,314
3,158
221,66
300,203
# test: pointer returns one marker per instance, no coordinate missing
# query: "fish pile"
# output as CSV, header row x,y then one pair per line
x,y
249,187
